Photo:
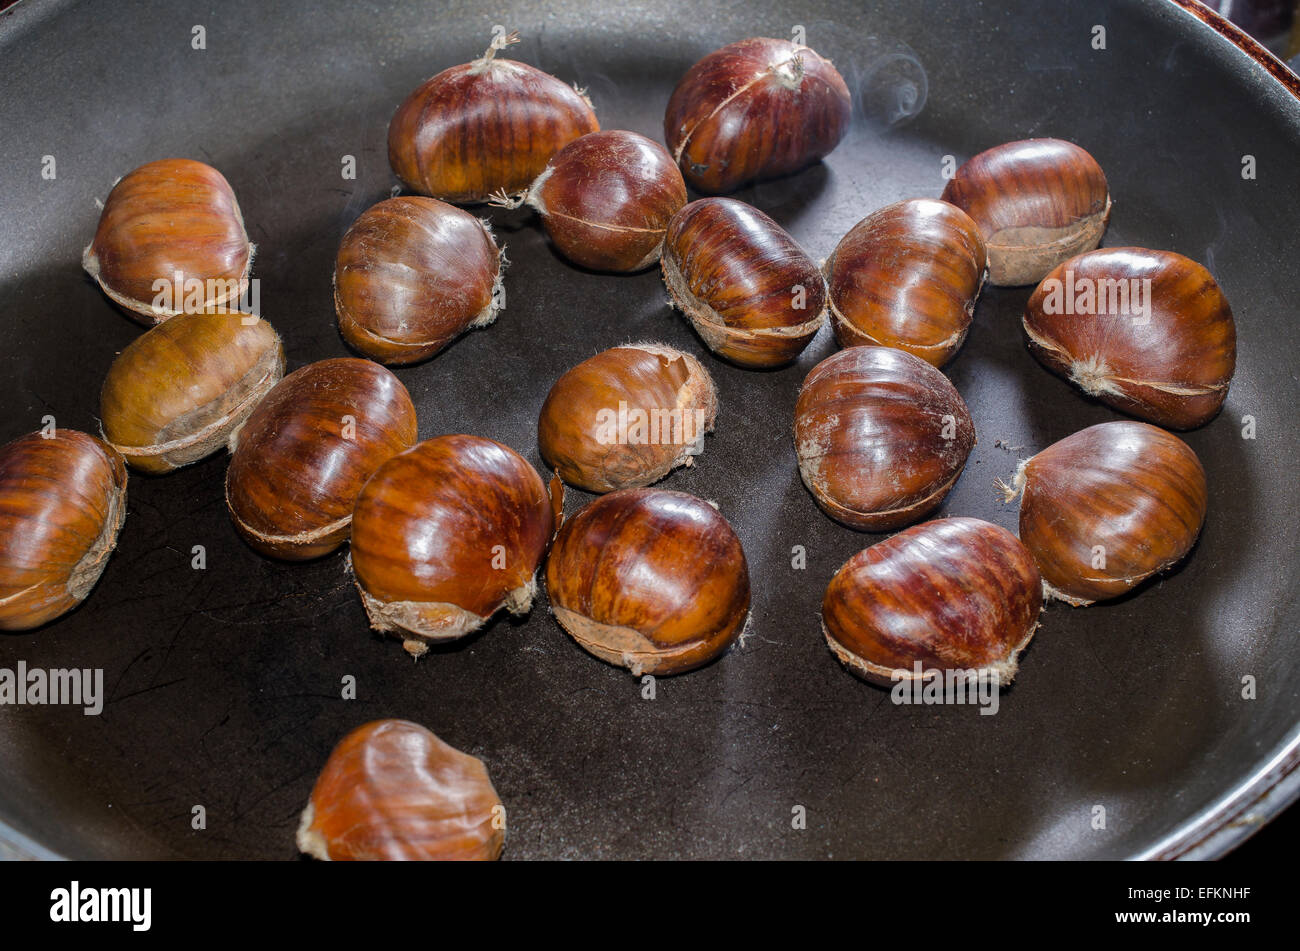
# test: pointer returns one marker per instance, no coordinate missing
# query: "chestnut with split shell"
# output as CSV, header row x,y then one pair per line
x,y
627,417
1037,202
174,221
1147,332
392,791
62,504
487,126
951,594
752,294
446,534
880,436
650,580
1107,508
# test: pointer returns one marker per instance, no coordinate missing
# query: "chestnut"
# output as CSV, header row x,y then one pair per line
x,y
173,223
177,393
754,110
908,276
1147,332
412,275
1108,507
486,126
751,293
303,455
62,503
1037,202
605,200
627,417
392,791
950,594
446,534
881,436
651,580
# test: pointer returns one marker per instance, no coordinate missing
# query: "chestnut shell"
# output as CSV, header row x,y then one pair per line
x,y
1037,202
299,463
411,275
908,276
752,110
169,216
880,436
951,594
62,503
1171,366
1135,490
663,383
733,272
651,580
392,791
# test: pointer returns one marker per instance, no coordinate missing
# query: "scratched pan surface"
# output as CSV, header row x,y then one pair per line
x,y
223,684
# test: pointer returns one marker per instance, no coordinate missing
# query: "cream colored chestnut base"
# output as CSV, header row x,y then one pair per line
x,y
1020,256
620,646
810,454
311,842
1004,670
147,312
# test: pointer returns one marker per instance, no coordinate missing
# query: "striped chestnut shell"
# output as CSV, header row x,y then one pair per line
x,y
1037,202
392,791
949,594
908,276
413,274
1147,332
751,292
880,436
651,580
1107,508
62,504
170,218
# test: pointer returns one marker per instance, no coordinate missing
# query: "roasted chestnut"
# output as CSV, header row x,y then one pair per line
x,y
753,110
446,534
171,240
177,393
627,417
393,791
751,293
951,594
486,126
1037,202
908,276
881,436
62,503
1108,507
606,199
650,580
412,275
303,455
1148,332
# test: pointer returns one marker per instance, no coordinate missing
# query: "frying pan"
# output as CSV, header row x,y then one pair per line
x,y
223,683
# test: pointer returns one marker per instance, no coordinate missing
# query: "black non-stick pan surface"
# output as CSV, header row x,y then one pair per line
x,y
224,683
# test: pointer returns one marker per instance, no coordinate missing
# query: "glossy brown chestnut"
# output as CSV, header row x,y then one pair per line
x,y
174,221
486,126
881,436
651,580
950,594
446,534
177,393
606,199
412,275
1037,202
1147,332
751,293
753,110
908,276
1108,507
627,417
303,455
62,503
393,791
